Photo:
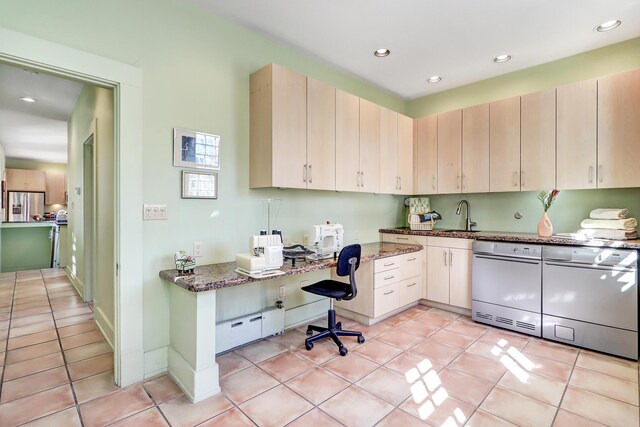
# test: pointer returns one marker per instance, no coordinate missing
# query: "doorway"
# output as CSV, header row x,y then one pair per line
x,y
88,217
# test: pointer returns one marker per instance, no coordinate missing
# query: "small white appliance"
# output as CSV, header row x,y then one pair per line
x,y
264,257
327,239
61,217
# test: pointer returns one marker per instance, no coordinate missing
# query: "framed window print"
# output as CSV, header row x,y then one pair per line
x,y
199,185
196,149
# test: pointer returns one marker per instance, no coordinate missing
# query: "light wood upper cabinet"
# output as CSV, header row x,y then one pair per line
x,y
347,141
26,180
56,188
369,146
504,152
278,128
475,149
449,152
538,141
426,159
321,135
619,130
388,151
406,150
576,133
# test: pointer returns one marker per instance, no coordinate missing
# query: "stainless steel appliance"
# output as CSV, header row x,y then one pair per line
x,y
22,206
506,286
591,298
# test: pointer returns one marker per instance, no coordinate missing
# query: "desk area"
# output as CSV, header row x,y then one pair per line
x,y
192,361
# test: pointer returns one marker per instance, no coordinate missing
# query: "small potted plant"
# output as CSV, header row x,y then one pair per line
x,y
545,228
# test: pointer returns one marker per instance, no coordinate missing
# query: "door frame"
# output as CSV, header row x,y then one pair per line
x,y
126,81
89,215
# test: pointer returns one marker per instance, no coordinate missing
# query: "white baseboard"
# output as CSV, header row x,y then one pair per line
x,y
156,362
105,326
205,382
446,307
77,283
304,313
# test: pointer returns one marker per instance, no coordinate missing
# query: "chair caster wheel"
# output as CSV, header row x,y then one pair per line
x,y
308,345
339,325
343,351
360,339
309,331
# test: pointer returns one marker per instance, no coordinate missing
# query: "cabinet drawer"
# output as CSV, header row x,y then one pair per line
x,y
450,242
385,264
385,278
411,265
410,291
386,299
404,238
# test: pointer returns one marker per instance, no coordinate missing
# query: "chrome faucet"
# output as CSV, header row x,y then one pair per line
x,y
469,222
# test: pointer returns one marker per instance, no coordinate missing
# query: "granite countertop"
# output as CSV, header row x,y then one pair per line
x,y
217,276
503,236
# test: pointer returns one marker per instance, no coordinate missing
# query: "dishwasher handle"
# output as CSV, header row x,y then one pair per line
x,y
589,266
508,259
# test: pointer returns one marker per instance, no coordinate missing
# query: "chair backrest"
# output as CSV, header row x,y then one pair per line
x,y
348,263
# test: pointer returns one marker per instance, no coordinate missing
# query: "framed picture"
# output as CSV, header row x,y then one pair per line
x,y
196,149
199,185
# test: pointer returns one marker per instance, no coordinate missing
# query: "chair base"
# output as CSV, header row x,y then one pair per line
x,y
333,331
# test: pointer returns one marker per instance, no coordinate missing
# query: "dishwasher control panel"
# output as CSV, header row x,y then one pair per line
x,y
592,256
516,250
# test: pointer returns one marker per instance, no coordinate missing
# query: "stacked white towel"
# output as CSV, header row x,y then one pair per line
x,y
609,224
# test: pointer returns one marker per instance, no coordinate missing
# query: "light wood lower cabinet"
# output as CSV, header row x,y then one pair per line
x,y
449,271
384,285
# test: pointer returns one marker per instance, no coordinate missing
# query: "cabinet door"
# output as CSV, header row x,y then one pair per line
x,y
504,156
576,133
438,274
426,164
406,148
538,141
16,179
36,180
475,149
619,130
321,135
386,299
55,188
369,146
460,277
289,118
449,152
409,291
347,141
388,151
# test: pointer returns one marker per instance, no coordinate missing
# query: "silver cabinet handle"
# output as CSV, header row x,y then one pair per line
x,y
522,179
445,257
304,172
399,183
389,277
458,182
411,285
310,175
362,178
411,259
515,179
402,238
359,180
433,182
388,293
463,180
590,174
450,259
600,175
389,264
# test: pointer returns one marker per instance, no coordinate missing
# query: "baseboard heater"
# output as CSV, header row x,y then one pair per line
x,y
242,330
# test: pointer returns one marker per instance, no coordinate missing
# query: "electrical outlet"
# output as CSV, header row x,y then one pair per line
x,y
305,240
153,212
283,291
197,249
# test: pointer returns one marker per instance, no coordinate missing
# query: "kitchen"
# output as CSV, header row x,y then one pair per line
x,y
362,214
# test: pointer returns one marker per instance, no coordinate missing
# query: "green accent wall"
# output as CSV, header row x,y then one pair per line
x,y
25,248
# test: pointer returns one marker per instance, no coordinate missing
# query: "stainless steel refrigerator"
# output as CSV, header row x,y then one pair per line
x,y
22,206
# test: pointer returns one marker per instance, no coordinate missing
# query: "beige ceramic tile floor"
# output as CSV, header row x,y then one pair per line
x,y
421,367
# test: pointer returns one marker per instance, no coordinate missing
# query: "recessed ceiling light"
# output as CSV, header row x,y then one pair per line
x,y
381,53
501,58
608,26
434,79
27,99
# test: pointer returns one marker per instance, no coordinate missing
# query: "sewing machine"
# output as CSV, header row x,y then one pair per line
x,y
326,240
264,257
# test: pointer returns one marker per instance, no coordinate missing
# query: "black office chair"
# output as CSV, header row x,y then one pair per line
x,y
348,263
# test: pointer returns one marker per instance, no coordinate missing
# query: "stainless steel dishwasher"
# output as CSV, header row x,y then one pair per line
x,y
591,298
506,286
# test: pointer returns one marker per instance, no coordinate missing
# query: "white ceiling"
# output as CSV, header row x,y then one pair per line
x,y
456,39
36,131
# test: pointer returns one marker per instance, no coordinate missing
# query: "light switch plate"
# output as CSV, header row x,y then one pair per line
x,y
154,212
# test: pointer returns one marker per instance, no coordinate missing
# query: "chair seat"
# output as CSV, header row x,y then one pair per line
x,y
329,288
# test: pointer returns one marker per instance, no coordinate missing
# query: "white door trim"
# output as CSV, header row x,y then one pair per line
x,y
126,80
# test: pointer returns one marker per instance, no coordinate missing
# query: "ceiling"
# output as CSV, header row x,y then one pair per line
x,y
35,131
455,39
